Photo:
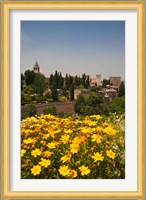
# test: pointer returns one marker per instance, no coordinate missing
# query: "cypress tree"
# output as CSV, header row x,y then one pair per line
x,y
72,92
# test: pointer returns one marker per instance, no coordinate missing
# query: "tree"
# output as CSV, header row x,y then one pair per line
x,y
28,90
56,80
90,104
66,82
79,104
60,81
22,80
72,92
121,89
105,83
117,105
87,83
54,94
93,88
76,81
39,85
51,80
83,80
29,77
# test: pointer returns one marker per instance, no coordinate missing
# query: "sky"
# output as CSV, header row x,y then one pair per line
x,y
74,47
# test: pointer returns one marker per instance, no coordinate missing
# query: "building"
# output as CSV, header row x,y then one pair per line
x,y
96,81
36,68
115,81
77,92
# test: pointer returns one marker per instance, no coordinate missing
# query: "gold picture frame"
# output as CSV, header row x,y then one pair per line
x,y
7,6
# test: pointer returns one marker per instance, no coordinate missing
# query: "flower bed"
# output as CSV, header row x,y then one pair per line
x,y
90,147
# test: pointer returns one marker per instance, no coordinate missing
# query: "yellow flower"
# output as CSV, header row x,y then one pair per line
x,y
47,154
68,131
85,130
45,163
36,153
36,170
97,157
96,117
65,158
84,170
96,138
64,139
57,131
105,124
29,140
92,123
72,174
110,154
45,136
64,170
22,152
51,145
99,129
76,140
74,148
109,130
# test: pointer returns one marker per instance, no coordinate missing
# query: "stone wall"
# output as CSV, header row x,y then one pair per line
x,y
66,107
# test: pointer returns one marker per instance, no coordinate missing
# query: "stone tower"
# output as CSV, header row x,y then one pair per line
x,y
115,81
36,68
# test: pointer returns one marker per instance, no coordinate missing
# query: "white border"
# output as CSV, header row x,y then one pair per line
x,y
130,182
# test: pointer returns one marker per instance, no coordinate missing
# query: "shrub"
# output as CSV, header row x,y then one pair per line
x,y
117,105
31,110
27,98
40,98
50,100
62,98
50,110
90,104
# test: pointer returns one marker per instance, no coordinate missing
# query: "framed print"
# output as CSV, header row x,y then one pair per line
x,y
72,99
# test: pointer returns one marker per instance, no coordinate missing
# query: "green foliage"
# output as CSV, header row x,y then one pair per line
x,y
50,100
28,90
48,95
27,98
50,110
118,105
66,82
93,88
51,80
40,98
121,89
80,86
31,110
29,77
54,94
105,83
79,104
65,92
72,92
22,80
91,104
24,115
60,81
22,98
62,98
39,85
